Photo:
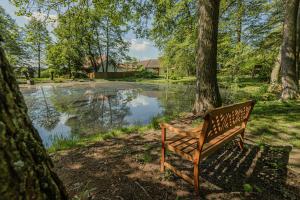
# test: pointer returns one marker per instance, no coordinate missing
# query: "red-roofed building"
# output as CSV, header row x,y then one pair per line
x,y
151,65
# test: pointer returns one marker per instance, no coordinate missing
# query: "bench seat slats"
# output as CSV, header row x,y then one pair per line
x,y
187,145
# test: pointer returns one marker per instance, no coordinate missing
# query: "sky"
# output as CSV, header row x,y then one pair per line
x,y
141,49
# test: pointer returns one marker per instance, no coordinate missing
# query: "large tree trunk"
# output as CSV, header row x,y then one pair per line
x,y
25,168
207,90
274,79
298,45
290,84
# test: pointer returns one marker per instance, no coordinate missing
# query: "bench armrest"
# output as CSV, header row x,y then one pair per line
x,y
194,132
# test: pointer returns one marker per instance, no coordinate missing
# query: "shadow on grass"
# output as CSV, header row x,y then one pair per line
x,y
128,168
290,111
276,121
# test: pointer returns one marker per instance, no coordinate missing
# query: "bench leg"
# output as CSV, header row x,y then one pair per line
x,y
241,141
163,153
196,178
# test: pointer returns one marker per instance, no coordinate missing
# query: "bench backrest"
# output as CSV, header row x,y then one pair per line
x,y
222,119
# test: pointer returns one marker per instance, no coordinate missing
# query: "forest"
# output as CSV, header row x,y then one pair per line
x,y
82,117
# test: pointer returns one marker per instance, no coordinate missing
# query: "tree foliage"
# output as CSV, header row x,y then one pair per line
x,y
37,37
100,35
13,40
250,33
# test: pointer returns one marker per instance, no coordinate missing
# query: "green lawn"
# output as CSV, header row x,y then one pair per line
x,y
276,122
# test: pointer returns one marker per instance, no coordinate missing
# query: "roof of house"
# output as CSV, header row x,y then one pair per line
x,y
150,64
98,59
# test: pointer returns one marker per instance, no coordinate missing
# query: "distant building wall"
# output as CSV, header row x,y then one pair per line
x,y
105,75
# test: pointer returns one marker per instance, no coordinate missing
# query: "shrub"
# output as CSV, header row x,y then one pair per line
x,y
248,187
146,74
79,75
45,73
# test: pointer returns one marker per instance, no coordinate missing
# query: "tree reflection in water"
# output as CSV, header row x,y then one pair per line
x,y
42,111
99,111
93,108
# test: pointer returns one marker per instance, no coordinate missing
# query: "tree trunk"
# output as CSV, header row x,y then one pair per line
x,y
92,58
25,168
274,79
69,68
298,46
39,60
107,45
207,90
240,14
288,52
99,47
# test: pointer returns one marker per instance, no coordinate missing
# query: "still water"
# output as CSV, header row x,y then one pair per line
x,y
67,110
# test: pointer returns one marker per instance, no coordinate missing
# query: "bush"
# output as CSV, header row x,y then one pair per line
x,y
45,74
80,75
146,74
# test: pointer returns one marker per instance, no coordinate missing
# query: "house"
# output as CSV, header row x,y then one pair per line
x,y
151,65
100,63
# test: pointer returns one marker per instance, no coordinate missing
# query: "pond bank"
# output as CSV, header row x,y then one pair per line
x,y
160,80
127,167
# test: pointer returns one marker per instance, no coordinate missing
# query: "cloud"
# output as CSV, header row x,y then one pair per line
x,y
51,19
140,100
140,45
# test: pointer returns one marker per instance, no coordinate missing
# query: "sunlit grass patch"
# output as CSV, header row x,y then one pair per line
x,y
276,122
60,143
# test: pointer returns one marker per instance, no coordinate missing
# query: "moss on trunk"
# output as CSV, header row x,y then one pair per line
x,y
25,168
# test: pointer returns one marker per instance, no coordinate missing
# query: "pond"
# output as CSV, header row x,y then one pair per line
x,y
65,110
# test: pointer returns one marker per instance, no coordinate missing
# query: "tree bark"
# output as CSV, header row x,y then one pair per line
x,y
240,14
290,85
207,90
98,45
39,60
274,79
25,168
298,46
69,68
107,45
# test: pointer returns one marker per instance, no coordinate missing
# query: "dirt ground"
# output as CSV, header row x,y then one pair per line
x,y
128,168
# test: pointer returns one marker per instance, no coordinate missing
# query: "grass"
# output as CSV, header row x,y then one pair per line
x,y
183,80
272,121
45,80
68,143
276,122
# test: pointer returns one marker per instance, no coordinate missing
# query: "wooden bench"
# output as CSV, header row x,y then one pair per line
x,y
220,126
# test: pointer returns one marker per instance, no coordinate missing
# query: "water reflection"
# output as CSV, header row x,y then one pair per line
x,y
66,111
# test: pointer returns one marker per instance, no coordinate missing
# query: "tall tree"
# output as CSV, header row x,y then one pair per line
x,y
13,43
239,20
274,79
298,45
290,84
207,90
25,168
174,32
37,37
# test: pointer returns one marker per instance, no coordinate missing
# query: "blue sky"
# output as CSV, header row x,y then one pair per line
x,y
140,48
